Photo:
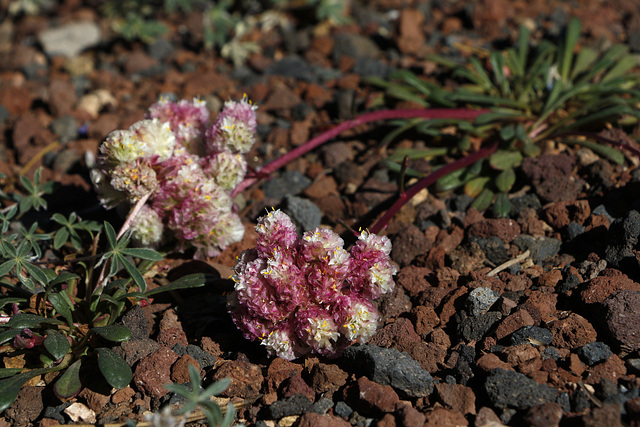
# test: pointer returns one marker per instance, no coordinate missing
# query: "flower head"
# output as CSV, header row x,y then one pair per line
x,y
299,295
234,127
188,186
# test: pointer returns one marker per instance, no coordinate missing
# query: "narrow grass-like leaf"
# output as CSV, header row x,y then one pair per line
x,y
69,384
584,59
523,47
567,46
415,154
115,333
611,153
114,369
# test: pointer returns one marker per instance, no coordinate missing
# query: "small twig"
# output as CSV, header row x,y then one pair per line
x,y
514,261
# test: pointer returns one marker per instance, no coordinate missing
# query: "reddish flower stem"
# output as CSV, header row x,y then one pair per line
x,y
432,113
427,181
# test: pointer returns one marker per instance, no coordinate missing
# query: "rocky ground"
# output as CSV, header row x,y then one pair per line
x,y
530,320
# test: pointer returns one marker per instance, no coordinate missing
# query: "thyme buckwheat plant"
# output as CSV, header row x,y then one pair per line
x,y
301,295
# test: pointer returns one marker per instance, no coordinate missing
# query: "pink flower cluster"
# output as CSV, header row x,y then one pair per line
x,y
188,165
300,295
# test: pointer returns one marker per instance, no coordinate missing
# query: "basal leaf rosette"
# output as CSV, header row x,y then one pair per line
x,y
300,295
188,164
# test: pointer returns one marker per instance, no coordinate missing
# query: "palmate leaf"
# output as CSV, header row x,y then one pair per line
x,y
114,369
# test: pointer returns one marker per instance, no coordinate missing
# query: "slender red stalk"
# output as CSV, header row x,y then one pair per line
x,y
427,181
432,113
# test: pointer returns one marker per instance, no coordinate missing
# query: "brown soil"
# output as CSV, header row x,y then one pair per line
x,y
564,289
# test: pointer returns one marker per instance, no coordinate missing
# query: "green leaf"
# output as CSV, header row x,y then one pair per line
x,y
133,272
25,321
585,57
505,180
10,387
111,235
63,278
451,181
502,205
8,335
61,305
56,344
475,186
611,153
143,253
69,384
567,46
505,159
114,369
508,132
216,388
115,333
6,267
36,272
11,300
483,201
9,372
61,238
